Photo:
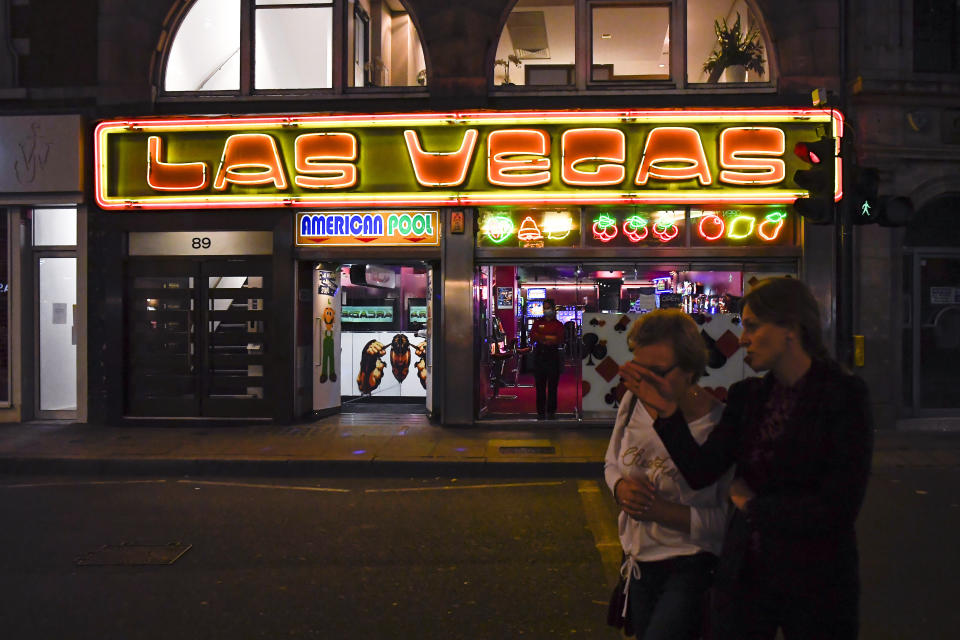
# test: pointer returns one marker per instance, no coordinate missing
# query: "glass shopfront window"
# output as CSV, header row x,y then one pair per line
x,y
630,260
383,342
596,303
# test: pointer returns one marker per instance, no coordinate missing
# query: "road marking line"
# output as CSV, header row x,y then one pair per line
x,y
602,525
78,484
265,486
468,486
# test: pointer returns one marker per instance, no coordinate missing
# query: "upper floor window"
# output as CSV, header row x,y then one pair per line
x,y
936,36
246,46
600,43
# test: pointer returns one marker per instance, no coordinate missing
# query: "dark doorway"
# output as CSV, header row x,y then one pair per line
x,y
197,342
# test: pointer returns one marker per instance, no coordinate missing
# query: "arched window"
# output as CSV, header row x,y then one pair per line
x,y
581,44
246,46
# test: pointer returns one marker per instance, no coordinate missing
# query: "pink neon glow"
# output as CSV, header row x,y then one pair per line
x,y
602,235
631,232
453,199
667,233
455,117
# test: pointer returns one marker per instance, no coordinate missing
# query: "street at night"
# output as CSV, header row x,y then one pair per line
x,y
394,558
446,319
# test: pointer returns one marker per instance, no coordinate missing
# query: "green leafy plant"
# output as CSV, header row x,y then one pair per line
x,y
734,47
511,59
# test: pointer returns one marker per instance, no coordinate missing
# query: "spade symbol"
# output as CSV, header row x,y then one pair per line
x,y
590,340
715,359
599,350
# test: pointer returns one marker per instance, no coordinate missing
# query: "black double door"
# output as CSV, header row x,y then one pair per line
x,y
197,337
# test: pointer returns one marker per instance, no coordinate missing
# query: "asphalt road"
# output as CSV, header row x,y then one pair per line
x,y
306,558
397,558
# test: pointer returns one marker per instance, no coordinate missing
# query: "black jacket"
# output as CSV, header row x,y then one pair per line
x,y
804,515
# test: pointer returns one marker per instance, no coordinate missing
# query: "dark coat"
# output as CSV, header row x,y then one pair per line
x,y
804,515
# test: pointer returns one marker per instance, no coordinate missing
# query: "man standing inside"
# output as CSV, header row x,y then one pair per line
x,y
547,335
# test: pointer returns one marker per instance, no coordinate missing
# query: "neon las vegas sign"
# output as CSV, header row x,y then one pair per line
x,y
464,158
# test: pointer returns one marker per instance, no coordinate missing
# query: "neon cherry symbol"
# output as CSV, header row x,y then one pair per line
x,y
635,228
776,219
711,226
605,228
665,232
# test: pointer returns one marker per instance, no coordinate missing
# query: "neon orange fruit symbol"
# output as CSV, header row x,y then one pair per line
x,y
711,226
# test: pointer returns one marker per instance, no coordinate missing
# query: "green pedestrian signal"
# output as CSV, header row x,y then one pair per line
x,y
887,211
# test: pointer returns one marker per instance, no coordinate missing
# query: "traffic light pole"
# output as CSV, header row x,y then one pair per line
x,y
844,258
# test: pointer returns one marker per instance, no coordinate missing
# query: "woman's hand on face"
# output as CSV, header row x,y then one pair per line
x,y
649,388
635,496
741,494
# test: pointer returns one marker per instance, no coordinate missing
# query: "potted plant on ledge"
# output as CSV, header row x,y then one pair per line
x,y
511,59
735,51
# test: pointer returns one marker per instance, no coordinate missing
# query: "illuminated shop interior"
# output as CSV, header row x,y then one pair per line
x,y
383,314
660,256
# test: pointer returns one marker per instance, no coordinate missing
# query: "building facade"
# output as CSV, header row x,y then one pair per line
x,y
287,209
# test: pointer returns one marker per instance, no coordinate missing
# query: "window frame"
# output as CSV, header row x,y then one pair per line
x,y
955,50
342,58
595,4
677,82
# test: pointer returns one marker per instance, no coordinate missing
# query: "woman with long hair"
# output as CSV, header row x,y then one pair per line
x,y
671,534
801,440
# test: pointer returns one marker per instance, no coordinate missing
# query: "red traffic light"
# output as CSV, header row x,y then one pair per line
x,y
806,153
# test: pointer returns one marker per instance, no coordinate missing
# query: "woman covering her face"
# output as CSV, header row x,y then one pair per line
x,y
671,534
801,440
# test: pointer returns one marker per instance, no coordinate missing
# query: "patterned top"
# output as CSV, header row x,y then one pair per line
x,y
760,450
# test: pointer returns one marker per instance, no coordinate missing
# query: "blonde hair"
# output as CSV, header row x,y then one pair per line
x,y
676,328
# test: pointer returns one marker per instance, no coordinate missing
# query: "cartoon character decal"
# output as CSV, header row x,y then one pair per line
x,y
327,351
421,352
371,367
400,356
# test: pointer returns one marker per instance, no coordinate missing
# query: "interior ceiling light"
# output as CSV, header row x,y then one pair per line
x,y
606,36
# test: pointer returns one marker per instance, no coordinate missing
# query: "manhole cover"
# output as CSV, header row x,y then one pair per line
x,y
528,450
134,555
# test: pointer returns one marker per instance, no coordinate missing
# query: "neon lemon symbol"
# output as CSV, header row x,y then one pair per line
x,y
741,227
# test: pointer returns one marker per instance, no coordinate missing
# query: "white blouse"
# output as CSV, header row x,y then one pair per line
x,y
635,451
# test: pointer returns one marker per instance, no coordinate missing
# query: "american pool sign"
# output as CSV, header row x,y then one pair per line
x,y
381,228
614,157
